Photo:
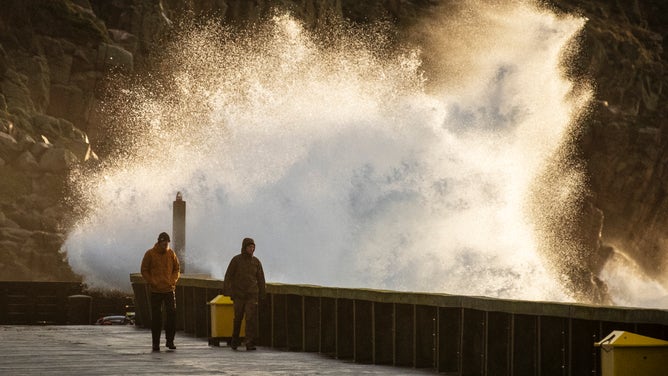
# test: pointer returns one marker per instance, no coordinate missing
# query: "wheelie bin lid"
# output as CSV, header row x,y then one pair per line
x,y
620,338
221,299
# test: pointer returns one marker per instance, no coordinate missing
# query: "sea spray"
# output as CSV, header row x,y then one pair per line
x,y
347,161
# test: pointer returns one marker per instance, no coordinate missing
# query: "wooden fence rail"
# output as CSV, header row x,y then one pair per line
x,y
455,335
30,303
56,303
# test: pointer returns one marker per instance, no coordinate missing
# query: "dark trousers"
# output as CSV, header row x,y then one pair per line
x,y
245,308
157,301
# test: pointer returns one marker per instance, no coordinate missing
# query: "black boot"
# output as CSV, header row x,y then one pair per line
x,y
235,336
234,343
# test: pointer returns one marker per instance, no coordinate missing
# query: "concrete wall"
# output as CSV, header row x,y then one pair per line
x,y
455,335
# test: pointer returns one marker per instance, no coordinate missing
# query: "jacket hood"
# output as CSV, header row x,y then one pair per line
x,y
246,242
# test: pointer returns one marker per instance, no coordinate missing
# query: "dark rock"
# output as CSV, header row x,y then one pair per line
x,y
127,40
114,57
16,91
28,220
60,62
57,160
9,148
27,162
39,148
47,125
36,69
4,62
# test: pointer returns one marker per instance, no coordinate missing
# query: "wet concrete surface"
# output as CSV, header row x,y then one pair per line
x,y
126,350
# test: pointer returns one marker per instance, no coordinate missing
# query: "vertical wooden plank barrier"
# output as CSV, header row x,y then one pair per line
x,y
449,334
311,326
607,327
181,305
10,306
201,308
383,328
404,345
16,305
294,322
328,326
583,334
4,305
61,309
525,345
649,330
363,313
44,304
279,337
266,321
29,303
34,298
210,295
473,342
189,311
29,299
345,329
425,336
142,305
498,344
449,340
552,345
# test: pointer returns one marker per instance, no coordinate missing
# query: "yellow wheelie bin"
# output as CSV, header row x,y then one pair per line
x,y
629,354
222,315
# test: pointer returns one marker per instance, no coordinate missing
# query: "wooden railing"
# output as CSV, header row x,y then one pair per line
x,y
30,303
458,335
57,303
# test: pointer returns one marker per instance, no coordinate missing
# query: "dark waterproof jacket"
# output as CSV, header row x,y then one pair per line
x,y
244,278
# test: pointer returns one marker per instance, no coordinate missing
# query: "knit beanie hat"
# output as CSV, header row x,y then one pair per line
x,y
163,237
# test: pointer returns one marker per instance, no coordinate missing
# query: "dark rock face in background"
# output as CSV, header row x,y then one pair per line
x,y
55,55
52,55
624,143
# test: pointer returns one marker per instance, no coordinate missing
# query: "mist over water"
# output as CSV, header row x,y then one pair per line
x,y
347,163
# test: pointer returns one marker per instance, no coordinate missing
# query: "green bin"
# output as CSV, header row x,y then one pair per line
x,y
222,316
629,354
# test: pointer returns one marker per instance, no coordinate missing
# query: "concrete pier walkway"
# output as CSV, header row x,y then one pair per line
x,y
126,350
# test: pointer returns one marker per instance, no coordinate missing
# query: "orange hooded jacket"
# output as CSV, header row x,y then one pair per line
x,y
160,269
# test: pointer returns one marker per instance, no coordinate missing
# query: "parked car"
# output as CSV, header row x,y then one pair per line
x,y
115,320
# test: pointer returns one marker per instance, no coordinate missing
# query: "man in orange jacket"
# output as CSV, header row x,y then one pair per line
x,y
160,269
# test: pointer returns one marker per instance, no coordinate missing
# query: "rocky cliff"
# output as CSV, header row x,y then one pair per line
x,y
623,142
55,57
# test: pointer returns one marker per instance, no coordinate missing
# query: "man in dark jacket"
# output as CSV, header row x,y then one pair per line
x,y
244,283
160,269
